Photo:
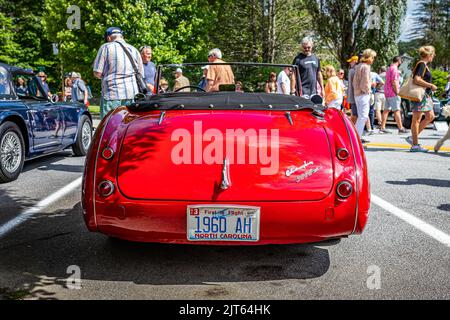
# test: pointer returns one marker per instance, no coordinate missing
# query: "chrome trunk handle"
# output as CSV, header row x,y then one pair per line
x,y
226,181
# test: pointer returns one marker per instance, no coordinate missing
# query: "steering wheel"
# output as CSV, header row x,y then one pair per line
x,y
193,87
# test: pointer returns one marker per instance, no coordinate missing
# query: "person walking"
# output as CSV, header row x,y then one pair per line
x,y
284,81
80,92
149,68
309,69
422,77
362,88
350,93
334,89
344,85
393,101
114,68
217,74
376,82
380,99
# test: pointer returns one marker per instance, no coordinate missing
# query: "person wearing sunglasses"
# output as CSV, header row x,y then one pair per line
x,y
309,69
43,77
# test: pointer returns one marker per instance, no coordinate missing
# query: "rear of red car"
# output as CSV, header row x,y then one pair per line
x,y
226,177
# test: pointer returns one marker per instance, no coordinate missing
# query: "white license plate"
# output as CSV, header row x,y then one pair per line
x,y
222,223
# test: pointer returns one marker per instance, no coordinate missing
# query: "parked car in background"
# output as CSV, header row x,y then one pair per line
x,y
406,112
33,125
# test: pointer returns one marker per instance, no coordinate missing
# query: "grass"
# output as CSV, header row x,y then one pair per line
x,y
94,109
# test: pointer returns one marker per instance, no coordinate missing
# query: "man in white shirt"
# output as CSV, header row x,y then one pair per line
x,y
284,82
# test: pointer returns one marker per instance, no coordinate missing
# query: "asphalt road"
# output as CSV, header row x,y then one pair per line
x,y
36,256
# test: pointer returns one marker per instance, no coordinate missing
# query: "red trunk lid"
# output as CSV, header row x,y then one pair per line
x,y
272,155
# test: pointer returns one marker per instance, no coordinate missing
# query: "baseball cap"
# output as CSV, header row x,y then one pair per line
x,y
112,30
353,59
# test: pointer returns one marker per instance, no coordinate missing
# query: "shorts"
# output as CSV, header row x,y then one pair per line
x,y
424,106
380,101
354,109
336,104
393,103
108,105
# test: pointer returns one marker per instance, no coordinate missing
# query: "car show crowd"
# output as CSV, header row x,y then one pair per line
x,y
365,95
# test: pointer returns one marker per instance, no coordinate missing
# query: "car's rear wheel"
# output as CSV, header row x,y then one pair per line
x,y
12,152
84,137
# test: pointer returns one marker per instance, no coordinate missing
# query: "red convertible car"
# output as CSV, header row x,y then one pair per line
x,y
237,166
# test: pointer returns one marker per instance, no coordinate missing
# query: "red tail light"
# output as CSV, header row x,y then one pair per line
x,y
107,153
342,154
344,189
106,188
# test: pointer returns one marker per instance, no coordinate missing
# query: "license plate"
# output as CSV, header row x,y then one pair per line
x,y
222,223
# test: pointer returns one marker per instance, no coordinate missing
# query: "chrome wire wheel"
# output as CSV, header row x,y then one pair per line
x,y
11,152
86,135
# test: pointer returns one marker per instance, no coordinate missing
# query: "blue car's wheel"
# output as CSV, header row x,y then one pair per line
x,y
12,152
84,137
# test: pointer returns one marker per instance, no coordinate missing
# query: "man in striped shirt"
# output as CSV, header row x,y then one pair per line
x,y
113,67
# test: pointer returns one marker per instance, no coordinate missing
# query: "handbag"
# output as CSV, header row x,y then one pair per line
x,y
139,79
412,91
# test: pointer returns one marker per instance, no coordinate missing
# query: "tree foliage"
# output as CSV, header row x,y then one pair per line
x,y
259,30
175,29
348,27
431,26
22,40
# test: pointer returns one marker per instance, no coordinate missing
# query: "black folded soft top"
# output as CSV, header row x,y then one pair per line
x,y
224,101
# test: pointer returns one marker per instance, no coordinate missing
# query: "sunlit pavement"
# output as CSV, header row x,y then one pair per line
x,y
393,259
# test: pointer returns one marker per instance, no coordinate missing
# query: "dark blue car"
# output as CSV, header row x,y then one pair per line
x,y
32,125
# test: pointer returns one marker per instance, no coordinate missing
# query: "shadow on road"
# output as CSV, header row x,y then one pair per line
x,y
47,248
444,207
47,163
424,181
10,205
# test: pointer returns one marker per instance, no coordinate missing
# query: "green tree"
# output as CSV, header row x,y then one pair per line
x,y
9,49
347,27
259,30
431,26
177,29
22,41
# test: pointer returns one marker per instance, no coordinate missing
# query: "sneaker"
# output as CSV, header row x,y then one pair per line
x,y
364,141
371,132
385,131
402,131
409,140
418,148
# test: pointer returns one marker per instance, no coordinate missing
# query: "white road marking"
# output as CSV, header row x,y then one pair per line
x,y
409,218
412,220
27,214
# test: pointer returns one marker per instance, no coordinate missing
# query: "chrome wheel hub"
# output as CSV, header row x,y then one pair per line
x,y
10,152
86,135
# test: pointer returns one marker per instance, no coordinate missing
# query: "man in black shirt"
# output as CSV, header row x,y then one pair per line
x,y
309,68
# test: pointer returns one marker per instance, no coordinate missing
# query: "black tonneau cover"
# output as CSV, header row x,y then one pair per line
x,y
224,101
16,71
